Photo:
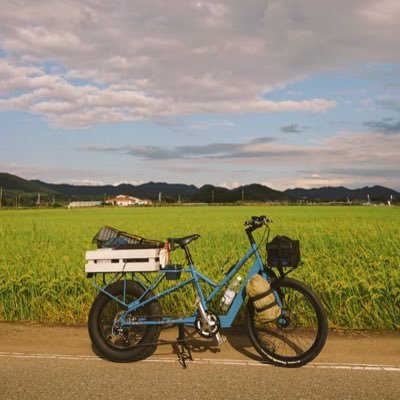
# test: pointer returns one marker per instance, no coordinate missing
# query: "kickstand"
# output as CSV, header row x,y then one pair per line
x,y
183,351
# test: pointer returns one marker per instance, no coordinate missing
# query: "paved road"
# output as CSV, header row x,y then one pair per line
x,y
38,362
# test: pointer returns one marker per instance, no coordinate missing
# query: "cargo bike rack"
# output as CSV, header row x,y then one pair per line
x,y
125,319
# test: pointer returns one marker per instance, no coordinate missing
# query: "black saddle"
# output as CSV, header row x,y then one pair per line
x,y
184,241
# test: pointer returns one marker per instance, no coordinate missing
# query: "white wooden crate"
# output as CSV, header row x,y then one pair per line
x,y
132,260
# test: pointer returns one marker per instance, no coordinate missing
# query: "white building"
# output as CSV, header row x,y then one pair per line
x,y
124,201
75,204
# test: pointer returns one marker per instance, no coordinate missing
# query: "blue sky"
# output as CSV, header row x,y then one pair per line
x,y
282,93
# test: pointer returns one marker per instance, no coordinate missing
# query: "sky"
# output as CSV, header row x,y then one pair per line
x,y
285,93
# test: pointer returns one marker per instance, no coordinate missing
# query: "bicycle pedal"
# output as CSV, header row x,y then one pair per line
x,y
220,339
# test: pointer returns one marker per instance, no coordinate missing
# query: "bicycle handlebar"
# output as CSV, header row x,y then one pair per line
x,y
257,222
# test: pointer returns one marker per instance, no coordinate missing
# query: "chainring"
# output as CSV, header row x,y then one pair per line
x,y
208,330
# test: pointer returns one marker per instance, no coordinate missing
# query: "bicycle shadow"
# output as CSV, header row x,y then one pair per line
x,y
234,337
239,341
193,342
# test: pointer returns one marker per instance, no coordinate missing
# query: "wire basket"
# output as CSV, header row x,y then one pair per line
x,y
108,237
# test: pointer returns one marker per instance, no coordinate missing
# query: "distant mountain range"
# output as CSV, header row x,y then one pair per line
x,y
375,193
14,187
147,190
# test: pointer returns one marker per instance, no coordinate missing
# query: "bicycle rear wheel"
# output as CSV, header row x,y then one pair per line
x,y
123,343
298,335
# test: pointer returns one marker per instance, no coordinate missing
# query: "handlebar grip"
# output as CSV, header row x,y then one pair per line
x,y
257,221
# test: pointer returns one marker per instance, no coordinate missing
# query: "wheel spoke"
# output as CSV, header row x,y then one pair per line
x,y
111,326
298,335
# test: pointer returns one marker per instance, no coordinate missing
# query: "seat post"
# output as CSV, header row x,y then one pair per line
x,y
188,255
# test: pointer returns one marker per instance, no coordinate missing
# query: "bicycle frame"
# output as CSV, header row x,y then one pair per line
x,y
196,277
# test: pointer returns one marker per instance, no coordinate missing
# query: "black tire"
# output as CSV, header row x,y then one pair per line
x,y
298,335
129,343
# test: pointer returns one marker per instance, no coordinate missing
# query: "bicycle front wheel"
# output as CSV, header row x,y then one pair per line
x,y
127,342
298,335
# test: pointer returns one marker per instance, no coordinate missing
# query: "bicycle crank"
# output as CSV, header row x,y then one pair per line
x,y
207,323
209,328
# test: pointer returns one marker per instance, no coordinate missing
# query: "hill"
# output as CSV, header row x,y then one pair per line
x,y
16,184
149,190
27,191
375,193
253,192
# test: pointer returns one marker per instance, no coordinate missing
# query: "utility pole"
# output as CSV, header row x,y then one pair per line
x,y
159,197
38,200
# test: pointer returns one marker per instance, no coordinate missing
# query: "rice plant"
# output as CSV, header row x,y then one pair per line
x,y
351,257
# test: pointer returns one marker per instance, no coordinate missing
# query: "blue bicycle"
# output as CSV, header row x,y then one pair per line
x,y
126,317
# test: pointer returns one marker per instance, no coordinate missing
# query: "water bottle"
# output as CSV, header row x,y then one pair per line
x,y
230,294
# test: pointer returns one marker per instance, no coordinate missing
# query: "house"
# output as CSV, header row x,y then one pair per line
x,y
124,200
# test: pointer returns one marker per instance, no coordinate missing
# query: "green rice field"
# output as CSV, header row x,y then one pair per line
x,y
351,256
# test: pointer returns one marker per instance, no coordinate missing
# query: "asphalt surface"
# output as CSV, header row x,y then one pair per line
x,y
57,362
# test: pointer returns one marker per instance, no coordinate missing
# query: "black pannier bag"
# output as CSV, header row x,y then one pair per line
x,y
283,252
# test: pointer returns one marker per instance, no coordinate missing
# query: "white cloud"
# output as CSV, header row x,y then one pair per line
x,y
309,182
344,149
383,12
85,182
141,60
346,158
67,175
129,182
66,104
229,185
